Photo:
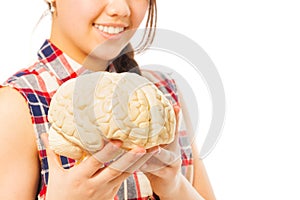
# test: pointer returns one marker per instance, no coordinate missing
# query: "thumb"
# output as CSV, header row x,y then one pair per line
x,y
53,159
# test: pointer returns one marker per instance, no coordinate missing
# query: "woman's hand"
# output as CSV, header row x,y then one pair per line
x,y
91,179
165,180
163,170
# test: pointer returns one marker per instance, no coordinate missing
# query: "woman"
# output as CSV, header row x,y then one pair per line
x,y
78,28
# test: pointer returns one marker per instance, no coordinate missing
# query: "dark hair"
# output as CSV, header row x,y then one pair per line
x,y
126,62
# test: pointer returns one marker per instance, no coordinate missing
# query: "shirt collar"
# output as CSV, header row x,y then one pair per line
x,y
61,65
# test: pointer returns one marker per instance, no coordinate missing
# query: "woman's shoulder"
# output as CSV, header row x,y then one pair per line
x,y
9,95
14,110
32,82
24,75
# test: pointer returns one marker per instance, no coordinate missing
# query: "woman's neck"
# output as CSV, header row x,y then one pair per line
x,y
90,62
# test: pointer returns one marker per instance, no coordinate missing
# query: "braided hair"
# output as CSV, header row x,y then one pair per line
x,y
126,62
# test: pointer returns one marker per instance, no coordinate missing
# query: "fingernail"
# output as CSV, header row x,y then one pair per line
x,y
154,151
116,143
140,150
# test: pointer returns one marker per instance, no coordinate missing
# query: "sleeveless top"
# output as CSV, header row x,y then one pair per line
x,y
39,83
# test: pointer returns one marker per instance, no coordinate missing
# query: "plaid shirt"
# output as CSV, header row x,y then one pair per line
x,y
39,83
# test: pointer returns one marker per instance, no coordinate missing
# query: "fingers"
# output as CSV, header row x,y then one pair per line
x,y
97,161
140,162
165,171
173,146
52,158
128,159
118,169
167,157
176,110
163,158
109,152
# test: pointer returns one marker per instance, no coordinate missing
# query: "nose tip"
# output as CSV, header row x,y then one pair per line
x,y
118,8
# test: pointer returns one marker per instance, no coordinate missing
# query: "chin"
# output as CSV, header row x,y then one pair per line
x,y
106,52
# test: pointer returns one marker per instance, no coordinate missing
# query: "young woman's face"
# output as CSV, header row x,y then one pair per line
x,y
80,26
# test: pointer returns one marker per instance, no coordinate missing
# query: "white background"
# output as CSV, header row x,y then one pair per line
x,y
255,45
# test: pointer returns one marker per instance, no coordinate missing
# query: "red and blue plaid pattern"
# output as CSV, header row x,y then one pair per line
x,y
39,83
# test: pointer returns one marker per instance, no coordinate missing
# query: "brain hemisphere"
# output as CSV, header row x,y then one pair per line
x,y
92,108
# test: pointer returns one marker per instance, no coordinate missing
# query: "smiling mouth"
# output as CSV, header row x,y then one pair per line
x,y
112,30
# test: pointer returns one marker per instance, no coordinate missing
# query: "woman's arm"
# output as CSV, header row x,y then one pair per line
x,y
201,180
19,165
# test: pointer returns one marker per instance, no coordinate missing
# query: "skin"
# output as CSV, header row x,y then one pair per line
x,y
73,31
18,155
88,180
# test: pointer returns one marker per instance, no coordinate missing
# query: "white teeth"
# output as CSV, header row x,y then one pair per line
x,y
109,29
105,29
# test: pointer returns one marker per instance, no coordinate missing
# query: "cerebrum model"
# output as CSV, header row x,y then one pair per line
x,y
86,111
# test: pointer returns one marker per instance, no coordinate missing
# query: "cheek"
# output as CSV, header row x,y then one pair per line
x,y
77,12
139,10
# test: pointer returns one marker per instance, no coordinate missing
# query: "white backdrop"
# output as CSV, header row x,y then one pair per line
x,y
255,45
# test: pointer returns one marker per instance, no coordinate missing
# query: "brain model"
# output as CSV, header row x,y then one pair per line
x,y
88,110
